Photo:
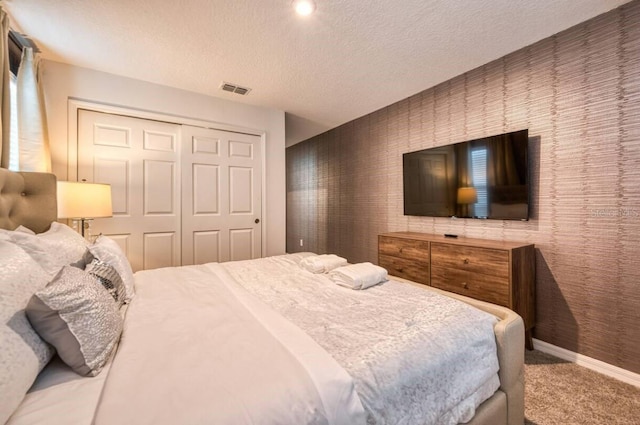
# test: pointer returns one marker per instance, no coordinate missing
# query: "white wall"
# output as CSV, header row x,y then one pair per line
x,y
63,82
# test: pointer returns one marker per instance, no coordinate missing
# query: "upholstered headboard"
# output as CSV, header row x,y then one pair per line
x,y
27,199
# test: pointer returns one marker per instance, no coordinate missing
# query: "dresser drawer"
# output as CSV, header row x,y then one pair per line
x,y
493,289
488,261
417,271
499,272
405,248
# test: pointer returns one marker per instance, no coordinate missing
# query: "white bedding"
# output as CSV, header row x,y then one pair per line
x,y
60,396
192,352
326,354
415,356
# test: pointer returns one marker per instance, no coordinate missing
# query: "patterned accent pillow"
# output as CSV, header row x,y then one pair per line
x,y
109,278
22,352
76,315
108,250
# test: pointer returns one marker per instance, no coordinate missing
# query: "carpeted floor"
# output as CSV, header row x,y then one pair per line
x,y
563,393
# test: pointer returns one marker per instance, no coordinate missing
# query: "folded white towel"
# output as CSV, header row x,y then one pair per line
x,y
322,263
358,276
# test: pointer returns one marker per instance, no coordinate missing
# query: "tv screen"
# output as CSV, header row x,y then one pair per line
x,y
486,178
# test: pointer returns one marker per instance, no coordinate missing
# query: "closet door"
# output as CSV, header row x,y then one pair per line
x,y
140,159
221,196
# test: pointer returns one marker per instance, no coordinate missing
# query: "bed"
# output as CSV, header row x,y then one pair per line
x,y
250,342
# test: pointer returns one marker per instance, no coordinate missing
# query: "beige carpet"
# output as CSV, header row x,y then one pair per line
x,y
558,392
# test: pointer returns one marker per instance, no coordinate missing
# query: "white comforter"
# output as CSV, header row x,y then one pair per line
x,y
416,357
224,344
198,349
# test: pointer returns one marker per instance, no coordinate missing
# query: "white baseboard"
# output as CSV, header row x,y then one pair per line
x,y
588,362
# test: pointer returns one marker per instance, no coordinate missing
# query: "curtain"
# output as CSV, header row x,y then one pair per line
x,y
33,142
5,98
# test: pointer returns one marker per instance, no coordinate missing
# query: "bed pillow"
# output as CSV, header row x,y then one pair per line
x,y
57,247
109,278
77,315
23,229
22,353
108,251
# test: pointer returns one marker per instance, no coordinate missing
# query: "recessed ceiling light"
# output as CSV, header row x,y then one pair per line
x,y
304,7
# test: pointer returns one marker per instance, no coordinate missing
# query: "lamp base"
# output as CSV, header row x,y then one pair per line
x,y
85,227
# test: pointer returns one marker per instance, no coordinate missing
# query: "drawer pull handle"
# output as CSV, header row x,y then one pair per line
x,y
465,261
465,285
400,270
400,250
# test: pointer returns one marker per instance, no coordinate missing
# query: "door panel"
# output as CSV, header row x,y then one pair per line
x,y
206,189
159,187
122,241
241,244
116,173
156,141
205,145
206,247
140,160
241,190
158,249
222,196
111,135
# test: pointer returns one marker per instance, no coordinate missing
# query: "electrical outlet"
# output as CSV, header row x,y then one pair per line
x,y
301,242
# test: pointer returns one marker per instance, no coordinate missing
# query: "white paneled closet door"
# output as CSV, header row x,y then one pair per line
x,y
140,159
181,194
221,196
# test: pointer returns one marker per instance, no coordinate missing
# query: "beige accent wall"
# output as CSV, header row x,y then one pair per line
x,y
578,93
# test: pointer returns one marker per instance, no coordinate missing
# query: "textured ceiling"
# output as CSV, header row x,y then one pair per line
x,y
350,58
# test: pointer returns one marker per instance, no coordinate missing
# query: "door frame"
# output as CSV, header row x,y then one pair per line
x,y
74,105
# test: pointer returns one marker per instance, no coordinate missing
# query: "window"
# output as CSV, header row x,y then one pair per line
x,y
15,43
479,178
14,156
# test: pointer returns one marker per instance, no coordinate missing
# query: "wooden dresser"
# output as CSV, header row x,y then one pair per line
x,y
501,273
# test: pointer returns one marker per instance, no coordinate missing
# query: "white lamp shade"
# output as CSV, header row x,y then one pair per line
x,y
84,200
467,195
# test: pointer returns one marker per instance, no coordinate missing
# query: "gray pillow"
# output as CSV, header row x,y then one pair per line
x,y
76,315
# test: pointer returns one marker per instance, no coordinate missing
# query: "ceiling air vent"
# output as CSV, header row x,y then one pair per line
x,y
234,88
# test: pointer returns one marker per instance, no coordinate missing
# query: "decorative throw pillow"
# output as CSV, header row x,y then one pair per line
x,y
109,278
22,352
108,251
76,315
57,247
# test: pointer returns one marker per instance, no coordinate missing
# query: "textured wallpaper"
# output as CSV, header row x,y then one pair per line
x,y
578,93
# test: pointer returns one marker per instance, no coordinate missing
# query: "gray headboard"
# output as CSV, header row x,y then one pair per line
x,y
27,199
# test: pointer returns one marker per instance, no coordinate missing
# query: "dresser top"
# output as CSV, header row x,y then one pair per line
x,y
485,243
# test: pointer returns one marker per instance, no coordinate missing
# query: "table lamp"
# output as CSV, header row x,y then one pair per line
x,y
84,201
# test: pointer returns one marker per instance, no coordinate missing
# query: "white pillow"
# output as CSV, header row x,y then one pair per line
x,y
79,317
57,247
108,251
26,230
23,353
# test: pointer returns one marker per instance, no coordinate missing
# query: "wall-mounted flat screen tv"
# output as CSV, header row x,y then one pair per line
x,y
485,178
